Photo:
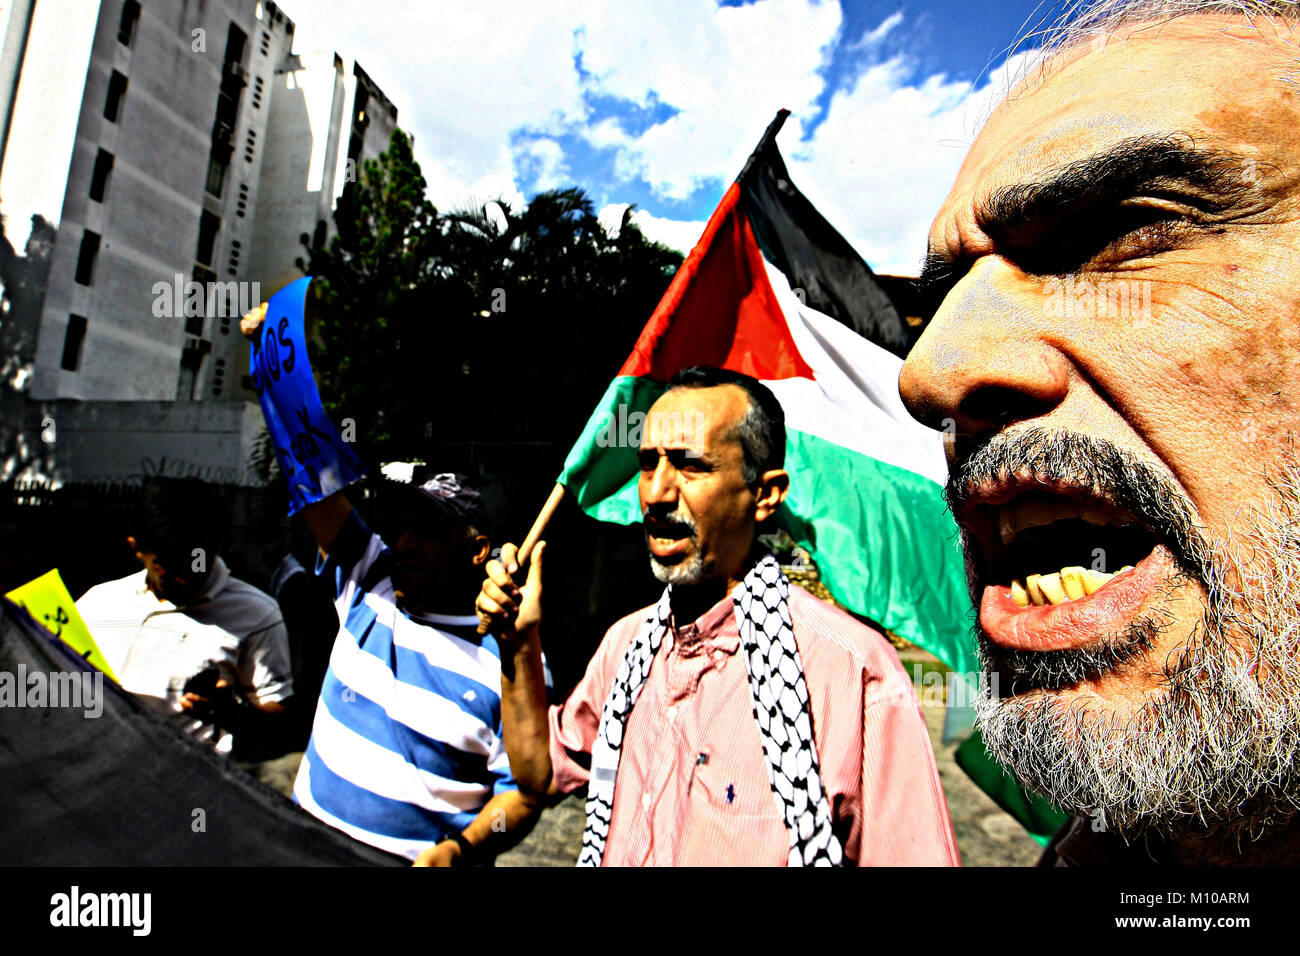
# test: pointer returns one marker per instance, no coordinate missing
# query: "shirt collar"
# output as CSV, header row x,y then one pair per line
x,y
445,620
217,580
715,627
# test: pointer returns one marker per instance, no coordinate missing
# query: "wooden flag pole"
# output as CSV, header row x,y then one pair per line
x,y
534,534
539,526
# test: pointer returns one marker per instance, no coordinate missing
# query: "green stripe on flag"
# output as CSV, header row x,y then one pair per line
x,y
597,470
884,544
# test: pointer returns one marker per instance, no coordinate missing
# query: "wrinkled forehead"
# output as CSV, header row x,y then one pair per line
x,y
1217,81
694,418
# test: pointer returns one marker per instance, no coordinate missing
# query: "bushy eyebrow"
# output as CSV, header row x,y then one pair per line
x,y
1213,180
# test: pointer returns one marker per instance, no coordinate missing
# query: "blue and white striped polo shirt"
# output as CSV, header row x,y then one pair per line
x,y
406,746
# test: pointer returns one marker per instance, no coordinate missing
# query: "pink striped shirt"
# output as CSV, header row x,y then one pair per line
x,y
692,786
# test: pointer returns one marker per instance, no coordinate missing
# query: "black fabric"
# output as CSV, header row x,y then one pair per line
x,y
798,240
1078,844
122,788
306,602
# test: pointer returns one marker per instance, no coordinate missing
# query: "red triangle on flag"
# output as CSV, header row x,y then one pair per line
x,y
719,310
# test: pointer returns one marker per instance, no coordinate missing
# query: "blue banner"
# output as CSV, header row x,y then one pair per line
x,y
315,459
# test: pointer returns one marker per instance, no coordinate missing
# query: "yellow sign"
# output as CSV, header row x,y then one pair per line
x,y
47,600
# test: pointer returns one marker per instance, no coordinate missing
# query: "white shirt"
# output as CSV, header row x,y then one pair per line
x,y
154,647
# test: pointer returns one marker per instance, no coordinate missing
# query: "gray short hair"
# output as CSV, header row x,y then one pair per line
x,y
1082,21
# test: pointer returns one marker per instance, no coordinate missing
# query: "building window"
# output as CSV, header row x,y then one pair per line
x,y
86,258
130,17
191,362
72,341
204,277
189,372
208,226
216,176
116,90
99,178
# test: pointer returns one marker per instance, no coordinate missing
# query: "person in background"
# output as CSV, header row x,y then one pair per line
x,y
188,639
406,751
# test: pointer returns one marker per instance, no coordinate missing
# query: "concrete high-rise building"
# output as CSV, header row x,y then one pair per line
x,y
169,143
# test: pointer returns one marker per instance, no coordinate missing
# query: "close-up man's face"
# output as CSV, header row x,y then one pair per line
x,y
699,511
1118,352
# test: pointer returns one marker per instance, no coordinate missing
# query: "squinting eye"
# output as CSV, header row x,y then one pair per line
x,y
688,460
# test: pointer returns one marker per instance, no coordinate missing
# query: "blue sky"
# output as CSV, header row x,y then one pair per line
x,y
657,102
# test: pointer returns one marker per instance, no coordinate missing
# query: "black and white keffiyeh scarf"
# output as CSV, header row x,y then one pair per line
x,y
780,698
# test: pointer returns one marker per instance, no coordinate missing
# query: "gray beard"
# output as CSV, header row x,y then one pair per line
x,y
1215,750
686,573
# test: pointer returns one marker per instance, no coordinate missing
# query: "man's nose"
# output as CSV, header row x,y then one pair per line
x,y
662,486
986,359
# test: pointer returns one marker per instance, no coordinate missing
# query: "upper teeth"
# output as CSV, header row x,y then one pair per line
x,y
1033,511
1068,584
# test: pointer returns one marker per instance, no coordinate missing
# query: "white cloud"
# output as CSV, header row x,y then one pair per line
x,y
726,70
881,164
464,77
611,217
468,79
673,233
549,168
873,37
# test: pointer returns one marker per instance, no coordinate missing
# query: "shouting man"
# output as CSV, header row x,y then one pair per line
x,y
1117,345
740,720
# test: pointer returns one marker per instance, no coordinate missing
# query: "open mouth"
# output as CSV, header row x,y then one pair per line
x,y
1060,566
667,538
1052,549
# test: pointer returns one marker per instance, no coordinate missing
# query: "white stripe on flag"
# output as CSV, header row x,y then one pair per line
x,y
854,401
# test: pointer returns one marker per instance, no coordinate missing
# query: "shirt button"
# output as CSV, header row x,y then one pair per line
x,y
672,712
645,800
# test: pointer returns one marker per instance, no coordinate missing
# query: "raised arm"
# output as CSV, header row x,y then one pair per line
x,y
514,615
327,516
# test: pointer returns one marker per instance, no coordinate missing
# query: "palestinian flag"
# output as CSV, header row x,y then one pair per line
x,y
773,291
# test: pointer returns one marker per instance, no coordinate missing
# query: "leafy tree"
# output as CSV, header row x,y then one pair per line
x,y
368,291
22,290
486,323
